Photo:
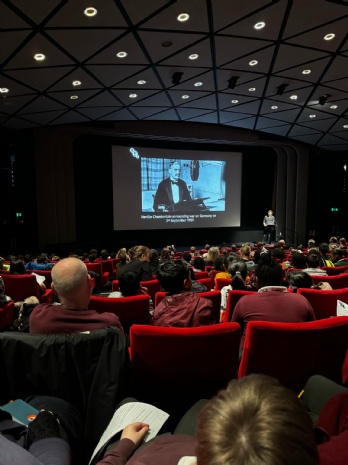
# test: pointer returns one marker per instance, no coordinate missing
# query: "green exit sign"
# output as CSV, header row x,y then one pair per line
x,y
335,210
18,215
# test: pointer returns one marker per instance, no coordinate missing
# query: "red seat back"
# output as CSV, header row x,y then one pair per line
x,y
222,282
108,267
21,286
152,286
180,363
130,310
336,282
97,268
232,300
6,315
201,274
292,352
48,277
324,303
335,270
206,282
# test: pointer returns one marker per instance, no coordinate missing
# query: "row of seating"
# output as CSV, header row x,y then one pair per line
x,y
92,370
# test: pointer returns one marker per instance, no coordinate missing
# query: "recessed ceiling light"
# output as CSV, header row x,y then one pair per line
x,y
90,11
312,116
121,54
234,101
39,57
194,56
274,107
252,89
253,62
133,95
183,17
345,126
293,97
4,90
167,43
333,107
185,97
76,83
259,25
306,71
198,84
329,36
74,97
141,82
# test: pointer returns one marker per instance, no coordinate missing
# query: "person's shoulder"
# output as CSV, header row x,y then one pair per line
x,y
43,308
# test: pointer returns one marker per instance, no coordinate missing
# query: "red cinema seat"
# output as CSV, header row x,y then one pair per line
x,y
208,268
21,286
201,275
130,310
206,282
232,300
324,303
6,315
292,352
186,364
48,277
335,270
336,282
108,267
97,268
222,282
214,296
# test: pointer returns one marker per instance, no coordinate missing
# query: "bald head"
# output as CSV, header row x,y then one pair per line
x,y
69,277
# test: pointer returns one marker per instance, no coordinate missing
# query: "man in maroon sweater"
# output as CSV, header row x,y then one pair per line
x,y
73,285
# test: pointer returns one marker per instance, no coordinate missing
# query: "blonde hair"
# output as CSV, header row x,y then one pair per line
x,y
255,421
213,254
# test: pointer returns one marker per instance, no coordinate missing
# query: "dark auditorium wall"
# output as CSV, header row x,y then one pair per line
x,y
58,199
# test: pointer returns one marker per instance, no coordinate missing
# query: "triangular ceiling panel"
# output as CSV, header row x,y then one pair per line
x,y
285,37
309,138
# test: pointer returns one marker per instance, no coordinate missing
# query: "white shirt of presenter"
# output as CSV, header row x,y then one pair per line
x,y
269,219
174,174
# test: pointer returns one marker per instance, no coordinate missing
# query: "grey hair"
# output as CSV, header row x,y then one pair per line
x,y
67,281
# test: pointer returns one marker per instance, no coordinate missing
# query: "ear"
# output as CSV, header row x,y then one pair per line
x,y
90,282
53,289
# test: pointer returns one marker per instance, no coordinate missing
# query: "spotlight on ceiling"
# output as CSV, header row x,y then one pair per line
x,y
232,82
176,78
281,89
323,99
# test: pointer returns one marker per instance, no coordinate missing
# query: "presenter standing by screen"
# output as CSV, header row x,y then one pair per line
x,y
269,227
171,190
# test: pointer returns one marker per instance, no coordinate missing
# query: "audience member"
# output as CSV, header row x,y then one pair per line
x,y
313,265
337,258
154,261
4,299
180,307
41,263
140,263
239,272
73,285
324,251
245,252
212,255
166,254
298,261
198,264
121,265
272,302
17,267
3,266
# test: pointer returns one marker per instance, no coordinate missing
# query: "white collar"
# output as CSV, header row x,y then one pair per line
x,y
273,288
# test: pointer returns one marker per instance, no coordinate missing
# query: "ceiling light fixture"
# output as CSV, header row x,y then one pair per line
x,y
333,107
39,57
345,126
323,99
306,71
176,78
183,17
281,89
252,89
232,82
274,107
4,90
193,56
198,84
76,83
234,101
167,43
185,97
141,82
329,36
259,25
90,11
293,97
133,95
312,116
253,62
74,97
121,54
